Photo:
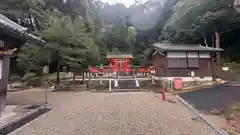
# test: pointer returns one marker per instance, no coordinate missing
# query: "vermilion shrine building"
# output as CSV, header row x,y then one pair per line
x,y
120,62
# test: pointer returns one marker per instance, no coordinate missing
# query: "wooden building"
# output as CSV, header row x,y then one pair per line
x,y
12,36
189,62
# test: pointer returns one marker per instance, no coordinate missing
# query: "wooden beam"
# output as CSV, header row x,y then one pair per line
x,y
8,52
156,52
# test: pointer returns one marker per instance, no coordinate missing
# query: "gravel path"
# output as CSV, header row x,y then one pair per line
x,y
140,113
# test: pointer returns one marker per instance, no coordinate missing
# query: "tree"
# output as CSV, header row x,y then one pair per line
x,y
71,36
29,60
116,37
18,10
196,19
70,32
132,33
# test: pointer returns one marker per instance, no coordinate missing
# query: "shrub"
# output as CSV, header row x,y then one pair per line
x,y
28,76
52,77
15,78
34,81
236,107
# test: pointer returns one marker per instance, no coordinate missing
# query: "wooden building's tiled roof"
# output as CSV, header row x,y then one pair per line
x,y
184,47
15,30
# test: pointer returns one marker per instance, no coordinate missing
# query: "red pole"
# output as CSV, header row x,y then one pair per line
x,y
163,94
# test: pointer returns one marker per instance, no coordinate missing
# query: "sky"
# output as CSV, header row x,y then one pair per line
x,y
125,2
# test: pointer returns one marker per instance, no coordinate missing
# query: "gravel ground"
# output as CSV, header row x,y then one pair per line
x,y
132,113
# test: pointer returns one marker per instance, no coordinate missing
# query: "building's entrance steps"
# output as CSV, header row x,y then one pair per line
x,y
128,84
120,84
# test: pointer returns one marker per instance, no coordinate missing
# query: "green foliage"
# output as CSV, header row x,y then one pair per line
x,y
34,81
234,50
80,33
28,76
52,77
15,78
115,37
71,37
68,29
191,20
131,38
236,107
10,9
32,58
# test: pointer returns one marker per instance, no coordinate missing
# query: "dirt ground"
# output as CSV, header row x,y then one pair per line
x,y
31,96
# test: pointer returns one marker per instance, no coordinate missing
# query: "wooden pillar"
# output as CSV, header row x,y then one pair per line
x,y
213,65
4,75
218,46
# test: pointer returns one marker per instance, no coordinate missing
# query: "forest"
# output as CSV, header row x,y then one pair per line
x,y
81,32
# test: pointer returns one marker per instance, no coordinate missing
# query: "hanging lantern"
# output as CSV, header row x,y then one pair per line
x,y
236,5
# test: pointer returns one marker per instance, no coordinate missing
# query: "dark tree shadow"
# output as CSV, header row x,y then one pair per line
x,y
216,100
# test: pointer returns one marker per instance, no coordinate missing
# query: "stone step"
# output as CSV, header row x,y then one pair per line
x,y
127,84
127,90
125,77
69,87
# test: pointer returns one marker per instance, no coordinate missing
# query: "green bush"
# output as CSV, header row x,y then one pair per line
x,y
28,76
52,77
235,67
15,78
34,81
236,107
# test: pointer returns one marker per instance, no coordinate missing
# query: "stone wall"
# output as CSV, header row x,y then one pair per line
x,y
190,84
169,86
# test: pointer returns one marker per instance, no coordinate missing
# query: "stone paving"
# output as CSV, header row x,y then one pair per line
x,y
130,113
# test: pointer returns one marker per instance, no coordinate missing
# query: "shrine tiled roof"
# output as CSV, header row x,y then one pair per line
x,y
184,47
15,30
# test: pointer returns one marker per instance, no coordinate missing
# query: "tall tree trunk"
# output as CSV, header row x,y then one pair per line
x,y
74,77
31,22
218,46
58,67
205,41
83,77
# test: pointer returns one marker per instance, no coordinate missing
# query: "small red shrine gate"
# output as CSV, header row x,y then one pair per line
x,y
120,62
